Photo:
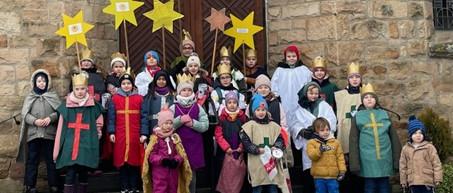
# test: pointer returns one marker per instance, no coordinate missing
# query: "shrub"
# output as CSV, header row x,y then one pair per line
x,y
438,130
447,184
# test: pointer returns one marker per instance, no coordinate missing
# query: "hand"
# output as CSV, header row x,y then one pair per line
x,y
239,150
143,139
99,135
404,186
261,150
229,151
437,183
46,122
189,124
185,118
340,177
38,122
112,138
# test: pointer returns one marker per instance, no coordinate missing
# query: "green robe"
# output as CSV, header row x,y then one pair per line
x,y
88,150
374,144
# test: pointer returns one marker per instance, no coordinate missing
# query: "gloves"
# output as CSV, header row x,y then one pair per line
x,y
170,163
166,162
340,177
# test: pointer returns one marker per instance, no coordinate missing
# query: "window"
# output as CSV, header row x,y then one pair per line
x,y
443,14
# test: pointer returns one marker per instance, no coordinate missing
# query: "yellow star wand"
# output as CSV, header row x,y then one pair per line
x,y
74,29
123,10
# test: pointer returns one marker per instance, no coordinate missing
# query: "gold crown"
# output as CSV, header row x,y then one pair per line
x,y
319,62
184,78
119,55
367,88
187,35
80,79
128,73
86,54
251,53
224,52
353,68
223,69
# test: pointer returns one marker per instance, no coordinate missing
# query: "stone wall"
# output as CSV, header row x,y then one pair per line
x,y
390,39
28,42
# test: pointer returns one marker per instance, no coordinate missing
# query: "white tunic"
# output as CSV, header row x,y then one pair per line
x,y
142,81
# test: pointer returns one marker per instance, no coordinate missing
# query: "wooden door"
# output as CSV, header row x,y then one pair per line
x,y
141,39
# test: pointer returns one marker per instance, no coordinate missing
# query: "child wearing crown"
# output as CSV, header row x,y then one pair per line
x,y
252,71
76,148
124,131
347,101
151,60
225,84
166,168
118,65
190,122
187,49
237,77
374,147
321,76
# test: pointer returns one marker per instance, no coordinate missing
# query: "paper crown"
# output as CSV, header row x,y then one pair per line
x,y
184,78
187,35
353,68
223,69
251,53
86,55
118,55
224,52
80,79
319,62
367,88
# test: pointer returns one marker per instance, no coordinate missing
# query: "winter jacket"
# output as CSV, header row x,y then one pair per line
x,y
420,165
328,164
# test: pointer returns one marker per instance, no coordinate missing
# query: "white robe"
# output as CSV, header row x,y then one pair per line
x,y
302,119
142,82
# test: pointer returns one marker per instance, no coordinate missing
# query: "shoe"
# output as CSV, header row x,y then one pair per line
x,y
124,191
53,189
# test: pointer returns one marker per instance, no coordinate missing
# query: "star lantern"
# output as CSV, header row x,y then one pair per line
x,y
217,19
243,31
123,10
163,15
74,29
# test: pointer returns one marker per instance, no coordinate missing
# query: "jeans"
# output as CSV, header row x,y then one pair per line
x,y
270,188
38,148
129,177
421,189
326,185
71,174
377,185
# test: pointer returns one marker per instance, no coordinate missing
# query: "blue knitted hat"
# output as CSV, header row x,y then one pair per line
x,y
258,101
154,54
414,125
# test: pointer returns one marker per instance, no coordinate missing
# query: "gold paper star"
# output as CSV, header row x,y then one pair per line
x,y
163,15
243,31
74,29
123,10
217,19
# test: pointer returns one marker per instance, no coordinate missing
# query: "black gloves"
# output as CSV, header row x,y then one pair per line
x,y
170,163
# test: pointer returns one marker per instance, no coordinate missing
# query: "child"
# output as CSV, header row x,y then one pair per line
x,y
253,70
227,136
160,93
258,134
289,77
124,130
190,122
165,159
420,166
145,77
38,128
187,49
96,84
327,158
118,65
237,78
320,76
76,146
202,81
373,141
224,82
310,107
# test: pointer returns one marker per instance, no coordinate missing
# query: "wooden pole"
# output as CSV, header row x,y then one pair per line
x,y
127,45
163,49
78,56
243,57
213,51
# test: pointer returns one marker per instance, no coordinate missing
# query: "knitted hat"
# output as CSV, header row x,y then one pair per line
x,y
414,125
193,59
232,95
127,76
258,101
294,49
153,53
262,80
183,85
118,57
164,115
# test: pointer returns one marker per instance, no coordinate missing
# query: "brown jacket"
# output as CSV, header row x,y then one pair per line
x,y
329,163
420,166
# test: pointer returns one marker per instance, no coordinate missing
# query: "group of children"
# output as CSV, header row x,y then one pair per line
x,y
158,128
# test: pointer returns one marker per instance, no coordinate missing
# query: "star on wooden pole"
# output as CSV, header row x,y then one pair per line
x,y
163,15
243,31
123,10
74,29
217,19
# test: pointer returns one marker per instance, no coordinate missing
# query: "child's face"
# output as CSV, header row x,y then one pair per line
x,y
193,68
319,73
186,92
417,137
118,68
263,90
225,60
167,126
250,62
313,93
161,82
151,61
324,132
41,83
369,101
260,112
85,64
354,80
80,91
291,57
225,79
126,85
232,105
187,50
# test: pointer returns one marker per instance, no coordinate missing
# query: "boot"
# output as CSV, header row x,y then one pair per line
x,y
82,188
69,188
53,189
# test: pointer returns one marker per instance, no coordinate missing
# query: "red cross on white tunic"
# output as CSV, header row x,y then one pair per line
x,y
78,126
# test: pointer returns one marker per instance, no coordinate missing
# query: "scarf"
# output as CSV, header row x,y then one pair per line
x,y
162,90
151,71
186,101
81,101
264,120
233,115
353,89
